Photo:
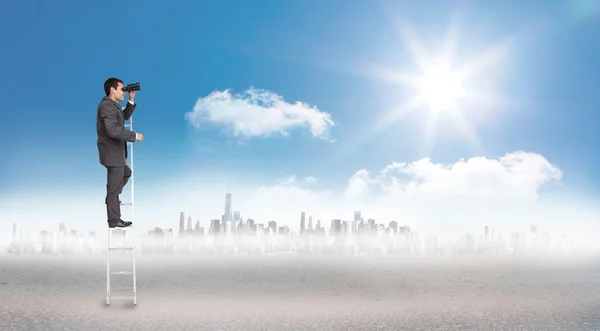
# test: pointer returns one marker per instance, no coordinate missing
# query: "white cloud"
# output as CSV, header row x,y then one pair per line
x,y
516,176
450,199
258,112
502,192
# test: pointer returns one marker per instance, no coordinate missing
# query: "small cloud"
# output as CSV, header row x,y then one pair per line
x,y
258,112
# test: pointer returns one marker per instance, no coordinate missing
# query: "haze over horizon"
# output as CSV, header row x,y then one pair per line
x,y
446,118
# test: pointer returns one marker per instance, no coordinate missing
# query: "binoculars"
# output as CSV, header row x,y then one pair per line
x,y
132,87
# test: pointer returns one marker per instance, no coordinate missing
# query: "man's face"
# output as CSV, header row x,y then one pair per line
x,y
119,93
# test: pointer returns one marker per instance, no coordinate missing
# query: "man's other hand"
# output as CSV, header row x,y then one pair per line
x,y
131,95
139,137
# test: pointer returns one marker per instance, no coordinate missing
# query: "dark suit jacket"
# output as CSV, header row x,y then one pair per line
x,y
112,135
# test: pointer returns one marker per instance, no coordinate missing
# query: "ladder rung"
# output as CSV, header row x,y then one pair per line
x,y
120,248
121,273
126,203
128,162
121,298
127,124
123,229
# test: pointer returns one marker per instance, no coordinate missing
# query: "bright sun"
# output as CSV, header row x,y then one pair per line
x,y
440,88
445,94
444,89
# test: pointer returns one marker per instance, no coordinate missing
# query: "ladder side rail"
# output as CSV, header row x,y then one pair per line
x,y
124,234
133,215
108,268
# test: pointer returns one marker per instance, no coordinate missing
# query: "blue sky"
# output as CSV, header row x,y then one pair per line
x,y
56,57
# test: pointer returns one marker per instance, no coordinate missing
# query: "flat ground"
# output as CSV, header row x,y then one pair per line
x,y
291,292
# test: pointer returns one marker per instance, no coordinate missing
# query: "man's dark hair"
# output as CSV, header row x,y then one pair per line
x,y
111,82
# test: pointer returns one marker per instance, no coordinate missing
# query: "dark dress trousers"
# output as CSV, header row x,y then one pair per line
x,y
112,151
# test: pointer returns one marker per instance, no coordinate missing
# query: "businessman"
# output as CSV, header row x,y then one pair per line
x,y
112,145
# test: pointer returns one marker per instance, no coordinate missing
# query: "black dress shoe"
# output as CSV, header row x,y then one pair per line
x,y
119,224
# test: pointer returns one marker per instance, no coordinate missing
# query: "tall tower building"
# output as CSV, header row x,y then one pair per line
x,y
215,226
273,225
181,223
371,223
487,233
302,223
336,226
227,216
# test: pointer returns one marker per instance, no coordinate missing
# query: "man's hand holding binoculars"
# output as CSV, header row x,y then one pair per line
x,y
138,136
131,95
131,88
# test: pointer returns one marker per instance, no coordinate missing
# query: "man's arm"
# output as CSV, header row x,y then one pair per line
x,y
113,129
129,108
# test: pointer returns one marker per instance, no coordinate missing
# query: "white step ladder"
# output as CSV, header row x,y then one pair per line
x,y
123,234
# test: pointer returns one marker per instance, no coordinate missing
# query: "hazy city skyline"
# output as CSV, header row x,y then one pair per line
x,y
360,235
228,208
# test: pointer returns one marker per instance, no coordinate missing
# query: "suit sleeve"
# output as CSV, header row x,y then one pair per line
x,y
128,111
113,129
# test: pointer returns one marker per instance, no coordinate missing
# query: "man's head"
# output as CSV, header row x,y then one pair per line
x,y
113,87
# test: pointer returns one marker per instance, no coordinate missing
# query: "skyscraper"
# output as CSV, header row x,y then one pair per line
x,y
302,223
227,216
214,226
181,223
14,236
273,225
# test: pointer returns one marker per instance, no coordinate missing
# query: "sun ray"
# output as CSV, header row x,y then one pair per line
x,y
451,39
416,49
387,74
395,114
484,60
